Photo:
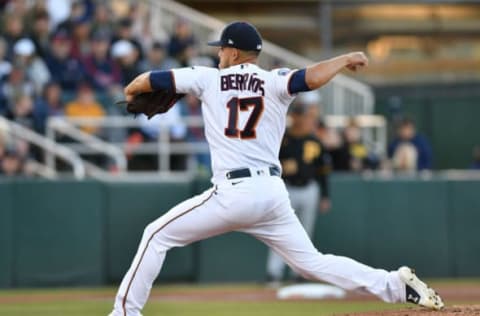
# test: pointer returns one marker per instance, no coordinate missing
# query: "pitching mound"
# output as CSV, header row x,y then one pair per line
x,y
470,310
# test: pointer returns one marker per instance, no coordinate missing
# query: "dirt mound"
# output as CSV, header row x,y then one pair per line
x,y
470,310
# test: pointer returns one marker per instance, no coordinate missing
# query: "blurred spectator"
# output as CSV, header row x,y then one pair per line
x,y
22,112
346,150
405,157
80,11
5,65
100,69
352,154
140,15
81,43
102,21
17,84
124,53
189,57
171,120
476,158
65,70
40,32
9,141
157,59
13,30
18,8
52,98
85,105
182,42
35,67
329,137
124,32
358,152
49,104
409,150
191,107
11,162
58,10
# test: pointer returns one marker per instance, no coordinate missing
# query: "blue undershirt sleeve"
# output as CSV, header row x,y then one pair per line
x,y
297,82
162,80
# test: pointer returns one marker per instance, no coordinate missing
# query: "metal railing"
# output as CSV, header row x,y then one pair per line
x,y
163,148
52,148
342,96
373,127
60,125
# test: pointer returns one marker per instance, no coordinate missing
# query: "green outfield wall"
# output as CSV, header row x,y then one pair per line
x,y
6,233
62,233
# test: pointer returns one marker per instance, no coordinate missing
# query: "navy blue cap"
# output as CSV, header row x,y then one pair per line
x,y
241,35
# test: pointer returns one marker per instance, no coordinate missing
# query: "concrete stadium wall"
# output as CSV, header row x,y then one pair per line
x,y
86,233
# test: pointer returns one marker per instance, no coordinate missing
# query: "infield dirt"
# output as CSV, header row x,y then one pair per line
x,y
462,310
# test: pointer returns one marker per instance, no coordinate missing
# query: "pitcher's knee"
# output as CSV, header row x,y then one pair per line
x,y
149,231
154,237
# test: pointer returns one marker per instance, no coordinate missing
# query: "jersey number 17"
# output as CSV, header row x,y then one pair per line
x,y
234,106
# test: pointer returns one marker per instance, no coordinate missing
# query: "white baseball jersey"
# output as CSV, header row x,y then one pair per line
x,y
244,109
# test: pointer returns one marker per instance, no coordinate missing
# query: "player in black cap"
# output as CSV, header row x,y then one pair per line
x,y
240,35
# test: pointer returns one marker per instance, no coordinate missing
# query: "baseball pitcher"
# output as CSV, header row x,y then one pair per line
x,y
244,110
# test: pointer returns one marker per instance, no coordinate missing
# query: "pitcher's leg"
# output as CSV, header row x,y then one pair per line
x,y
187,222
132,296
288,238
275,263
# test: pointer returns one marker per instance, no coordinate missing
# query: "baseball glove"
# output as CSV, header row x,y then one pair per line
x,y
151,103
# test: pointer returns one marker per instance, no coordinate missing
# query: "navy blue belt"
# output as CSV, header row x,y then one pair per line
x,y
245,173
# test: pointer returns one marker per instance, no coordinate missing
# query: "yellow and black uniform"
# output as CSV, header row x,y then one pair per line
x,y
303,160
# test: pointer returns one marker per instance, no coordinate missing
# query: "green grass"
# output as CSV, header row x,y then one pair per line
x,y
98,302
94,308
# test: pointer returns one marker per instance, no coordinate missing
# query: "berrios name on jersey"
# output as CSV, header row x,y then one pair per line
x,y
242,82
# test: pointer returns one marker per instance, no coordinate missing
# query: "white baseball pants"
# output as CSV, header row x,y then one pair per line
x,y
258,206
305,202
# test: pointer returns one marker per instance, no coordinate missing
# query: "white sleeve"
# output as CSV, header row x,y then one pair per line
x,y
282,79
193,80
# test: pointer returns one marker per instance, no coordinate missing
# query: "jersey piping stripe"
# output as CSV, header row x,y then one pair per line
x,y
148,242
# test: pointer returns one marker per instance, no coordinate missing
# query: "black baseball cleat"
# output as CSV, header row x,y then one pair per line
x,y
417,292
